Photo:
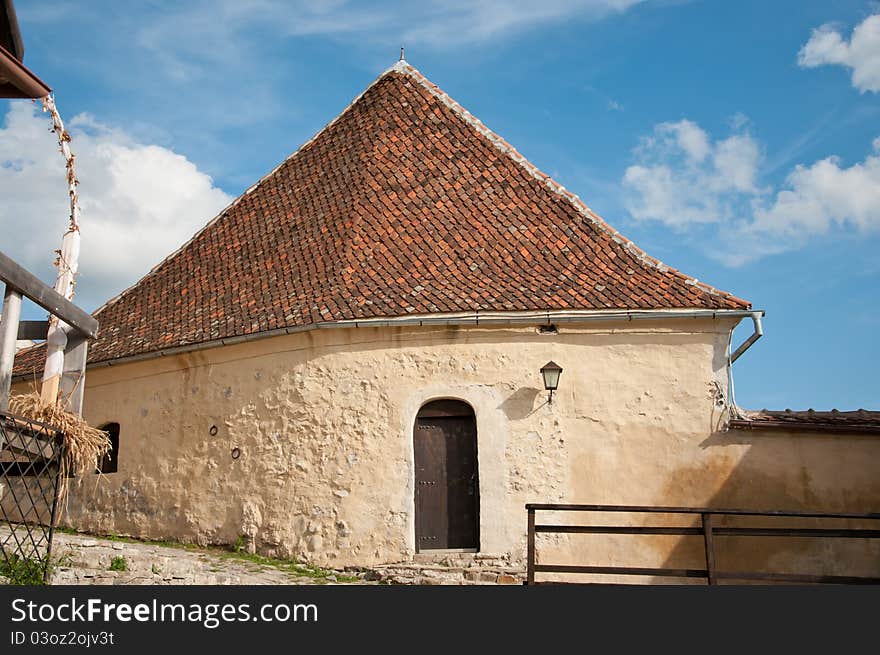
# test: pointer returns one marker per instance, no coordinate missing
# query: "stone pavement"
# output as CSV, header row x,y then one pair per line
x,y
451,569
88,560
83,559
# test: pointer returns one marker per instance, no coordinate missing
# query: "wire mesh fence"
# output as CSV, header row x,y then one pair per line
x,y
30,467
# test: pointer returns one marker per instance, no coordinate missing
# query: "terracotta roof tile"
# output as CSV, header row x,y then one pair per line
x,y
404,204
834,421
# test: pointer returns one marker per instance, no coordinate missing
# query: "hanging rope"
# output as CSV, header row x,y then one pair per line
x,y
67,263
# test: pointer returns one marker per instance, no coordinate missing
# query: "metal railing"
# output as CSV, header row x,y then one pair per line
x,y
30,482
21,283
709,529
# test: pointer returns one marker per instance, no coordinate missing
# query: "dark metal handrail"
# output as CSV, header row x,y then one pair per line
x,y
708,532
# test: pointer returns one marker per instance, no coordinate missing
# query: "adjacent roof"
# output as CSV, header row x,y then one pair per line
x,y
10,34
16,81
833,421
405,204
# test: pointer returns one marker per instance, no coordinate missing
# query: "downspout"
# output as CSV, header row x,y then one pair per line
x,y
756,334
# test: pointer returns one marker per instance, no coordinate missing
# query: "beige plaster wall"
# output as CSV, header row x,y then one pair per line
x,y
755,470
324,419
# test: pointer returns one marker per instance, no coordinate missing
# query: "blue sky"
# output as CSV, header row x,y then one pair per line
x,y
736,141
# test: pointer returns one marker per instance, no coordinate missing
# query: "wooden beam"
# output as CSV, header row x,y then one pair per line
x,y
73,380
33,330
29,285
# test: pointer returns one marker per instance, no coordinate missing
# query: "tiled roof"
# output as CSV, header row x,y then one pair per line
x,y
834,421
405,204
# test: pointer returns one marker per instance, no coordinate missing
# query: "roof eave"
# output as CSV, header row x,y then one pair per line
x,y
474,319
793,426
13,31
16,79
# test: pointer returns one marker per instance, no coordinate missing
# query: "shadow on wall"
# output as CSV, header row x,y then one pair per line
x,y
521,404
786,471
759,470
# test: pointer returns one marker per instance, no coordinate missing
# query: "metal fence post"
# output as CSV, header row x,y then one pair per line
x,y
710,548
53,516
530,564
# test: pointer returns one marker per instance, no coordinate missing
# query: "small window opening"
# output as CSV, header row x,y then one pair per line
x,y
110,462
548,329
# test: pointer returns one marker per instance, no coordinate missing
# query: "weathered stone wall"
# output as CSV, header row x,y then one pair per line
x,y
323,421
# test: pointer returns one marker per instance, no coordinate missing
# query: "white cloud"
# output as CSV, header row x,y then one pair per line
x,y
683,178
861,53
822,196
736,161
688,136
206,74
139,202
738,121
191,40
454,22
439,23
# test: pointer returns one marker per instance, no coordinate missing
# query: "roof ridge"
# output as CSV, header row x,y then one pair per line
x,y
504,147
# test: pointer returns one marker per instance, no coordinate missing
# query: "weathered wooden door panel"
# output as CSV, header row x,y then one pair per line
x,y
431,498
446,482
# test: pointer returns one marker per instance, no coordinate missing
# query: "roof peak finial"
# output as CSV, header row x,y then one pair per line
x,y
401,53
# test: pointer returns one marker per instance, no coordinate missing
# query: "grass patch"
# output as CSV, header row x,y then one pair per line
x,y
24,570
234,551
118,563
132,540
289,566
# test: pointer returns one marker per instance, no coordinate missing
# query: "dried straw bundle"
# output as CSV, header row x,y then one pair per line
x,y
84,445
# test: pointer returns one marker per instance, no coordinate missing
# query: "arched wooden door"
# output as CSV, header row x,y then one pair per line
x,y
447,487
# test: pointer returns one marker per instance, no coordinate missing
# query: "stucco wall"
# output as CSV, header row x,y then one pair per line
x,y
753,470
324,419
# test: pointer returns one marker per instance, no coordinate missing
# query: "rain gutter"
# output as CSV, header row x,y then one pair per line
x,y
463,318
17,81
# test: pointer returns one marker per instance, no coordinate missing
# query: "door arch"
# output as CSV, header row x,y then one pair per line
x,y
447,489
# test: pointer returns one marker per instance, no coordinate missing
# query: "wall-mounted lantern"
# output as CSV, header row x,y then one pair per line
x,y
551,372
